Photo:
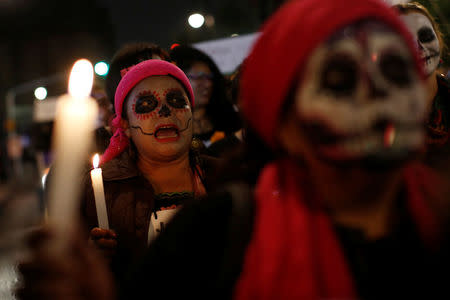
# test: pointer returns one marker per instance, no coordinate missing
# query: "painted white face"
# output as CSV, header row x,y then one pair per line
x,y
361,96
427,41
160,118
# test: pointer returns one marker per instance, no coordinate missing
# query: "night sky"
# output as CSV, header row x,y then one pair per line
x,y
156,21
165,21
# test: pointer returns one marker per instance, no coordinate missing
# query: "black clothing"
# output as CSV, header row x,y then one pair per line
x,y
224,146
200,256
397,266
131,202
438,128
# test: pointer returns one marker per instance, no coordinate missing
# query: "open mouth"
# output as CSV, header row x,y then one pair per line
x,y
167,133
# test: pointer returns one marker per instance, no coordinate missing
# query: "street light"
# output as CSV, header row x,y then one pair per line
x,y
196,20
101,68
40,93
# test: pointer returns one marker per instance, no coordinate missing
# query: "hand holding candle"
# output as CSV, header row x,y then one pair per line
x,y
99,194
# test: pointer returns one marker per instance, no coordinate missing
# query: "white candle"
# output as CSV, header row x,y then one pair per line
x,y
99,194
72,138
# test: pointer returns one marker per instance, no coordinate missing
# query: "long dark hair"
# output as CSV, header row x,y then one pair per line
x,y
219,109
129,55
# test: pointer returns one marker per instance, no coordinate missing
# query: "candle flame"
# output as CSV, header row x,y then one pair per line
x,y
96,160
44,177
81,79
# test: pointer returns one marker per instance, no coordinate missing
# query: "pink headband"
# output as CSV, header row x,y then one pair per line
x,y
152,67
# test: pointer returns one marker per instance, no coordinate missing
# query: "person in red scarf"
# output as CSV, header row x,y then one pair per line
x,y
343,210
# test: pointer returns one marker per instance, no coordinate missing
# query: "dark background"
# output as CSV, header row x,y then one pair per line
x,y
41,39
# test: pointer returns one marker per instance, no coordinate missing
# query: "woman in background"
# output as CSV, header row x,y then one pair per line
x,y
214,114
431,48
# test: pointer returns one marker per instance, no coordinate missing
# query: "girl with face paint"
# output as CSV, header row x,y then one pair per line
x,y
149,168
431,47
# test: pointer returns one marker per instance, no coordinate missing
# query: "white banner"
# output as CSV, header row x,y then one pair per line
x,y
228,53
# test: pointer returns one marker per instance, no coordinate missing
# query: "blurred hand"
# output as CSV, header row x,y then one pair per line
x,y
77,272
105,241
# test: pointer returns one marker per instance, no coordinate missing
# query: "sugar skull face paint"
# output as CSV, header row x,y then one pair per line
x,y
362,97
149,104
159,116
427,41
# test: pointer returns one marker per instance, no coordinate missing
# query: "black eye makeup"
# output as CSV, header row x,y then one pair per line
x,y
395,68
340,75
145,103
426,35
176,99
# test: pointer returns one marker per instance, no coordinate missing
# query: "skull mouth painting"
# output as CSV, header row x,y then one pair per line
x,y
361,98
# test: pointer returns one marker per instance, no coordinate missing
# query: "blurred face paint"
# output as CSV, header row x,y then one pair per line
x,y
160,116
362,99
427,41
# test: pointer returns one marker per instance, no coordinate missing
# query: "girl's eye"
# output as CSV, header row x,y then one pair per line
x,y
145,104
176,100
426,35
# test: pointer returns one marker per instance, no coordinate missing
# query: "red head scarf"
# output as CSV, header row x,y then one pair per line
x,y
294,253
284,46
153,67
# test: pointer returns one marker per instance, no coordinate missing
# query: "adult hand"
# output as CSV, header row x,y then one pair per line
x,y
77,272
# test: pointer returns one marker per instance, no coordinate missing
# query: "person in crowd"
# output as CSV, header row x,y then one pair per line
x,y
431,46
231,141
102,133
129,53
343,210
214,114
149,168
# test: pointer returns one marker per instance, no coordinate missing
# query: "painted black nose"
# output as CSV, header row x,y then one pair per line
x,y
164,111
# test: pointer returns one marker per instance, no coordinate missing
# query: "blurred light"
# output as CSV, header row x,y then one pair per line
x,y
96,160
234,35
81,79
101,68
40,93
174,46
196,20
374,57
209,21
44,177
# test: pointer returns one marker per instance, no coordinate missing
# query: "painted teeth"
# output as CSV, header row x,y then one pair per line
x,y
375,142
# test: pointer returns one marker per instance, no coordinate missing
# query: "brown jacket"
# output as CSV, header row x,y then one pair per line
x,y
129,201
